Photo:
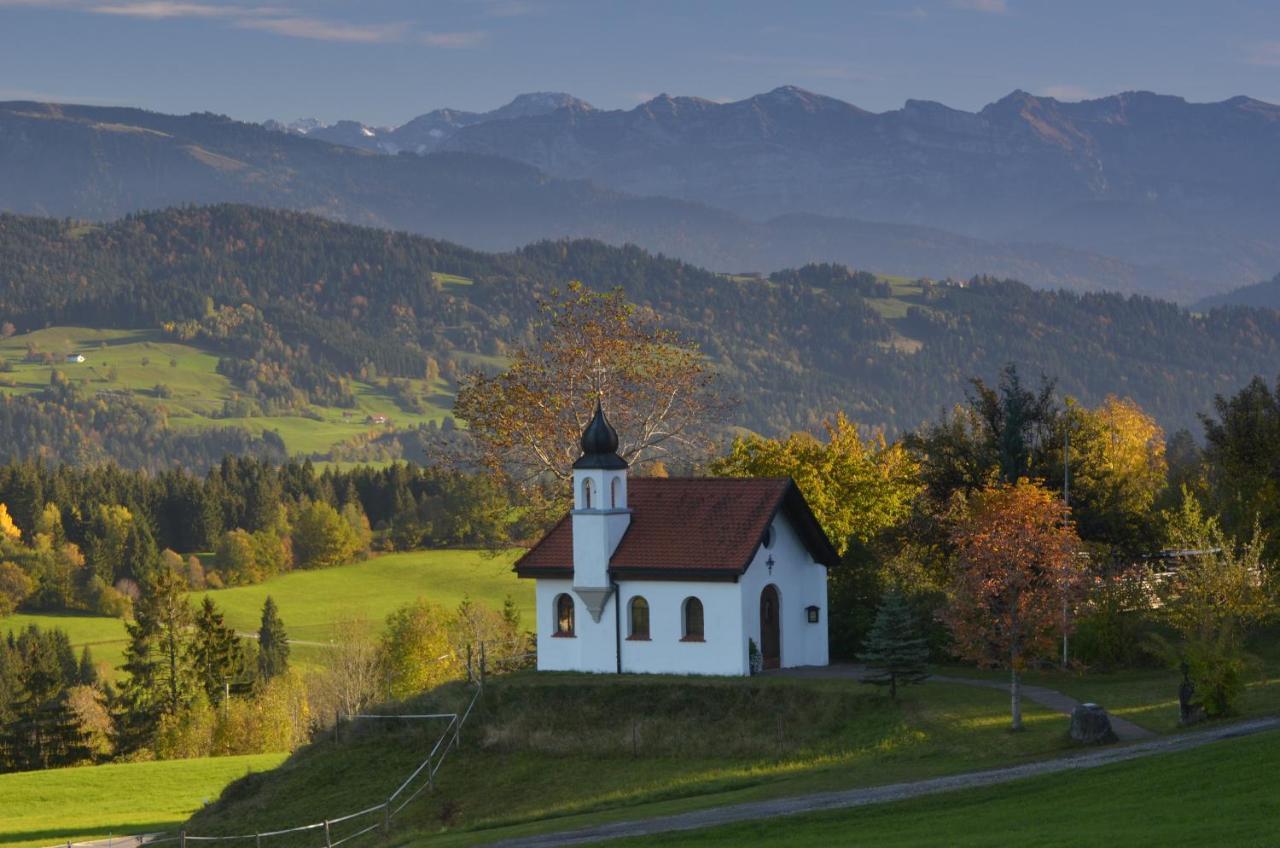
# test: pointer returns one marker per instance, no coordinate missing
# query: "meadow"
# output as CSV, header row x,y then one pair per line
x,y
1221,794
39,808
311,602
636,747
134,362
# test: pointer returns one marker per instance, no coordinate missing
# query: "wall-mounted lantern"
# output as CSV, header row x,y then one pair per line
x,y
811,613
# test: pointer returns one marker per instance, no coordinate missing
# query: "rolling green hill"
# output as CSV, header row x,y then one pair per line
x,y
309,320
311,602
96,802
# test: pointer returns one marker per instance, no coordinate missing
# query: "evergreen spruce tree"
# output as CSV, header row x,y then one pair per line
x,y
86,671
157,662
894,649
273,643
215,651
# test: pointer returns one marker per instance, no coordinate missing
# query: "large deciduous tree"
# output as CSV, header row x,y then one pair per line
x,y
526,421
1017,575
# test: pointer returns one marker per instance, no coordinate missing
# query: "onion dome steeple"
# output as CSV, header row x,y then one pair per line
x,y
600,444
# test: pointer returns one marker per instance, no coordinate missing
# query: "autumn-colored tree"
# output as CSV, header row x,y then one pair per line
x,y
9,531
855,487
417,650
526,421
1017,571
1118,469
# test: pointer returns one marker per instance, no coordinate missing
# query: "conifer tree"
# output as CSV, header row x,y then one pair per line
x,y
215,651
894,650
273,643
159,681
86,671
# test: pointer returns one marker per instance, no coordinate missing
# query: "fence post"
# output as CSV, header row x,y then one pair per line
x,y
457,731
257,840
182,839
386,817
328,843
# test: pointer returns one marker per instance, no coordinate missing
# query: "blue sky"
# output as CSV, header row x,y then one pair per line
x,y
384,61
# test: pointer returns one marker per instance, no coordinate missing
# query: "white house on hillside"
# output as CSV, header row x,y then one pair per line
x,y
678,575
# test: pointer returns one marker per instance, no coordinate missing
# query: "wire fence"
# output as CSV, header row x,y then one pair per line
x,y
339,830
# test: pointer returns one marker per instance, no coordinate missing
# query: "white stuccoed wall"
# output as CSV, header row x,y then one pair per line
x,y
731,613
800,582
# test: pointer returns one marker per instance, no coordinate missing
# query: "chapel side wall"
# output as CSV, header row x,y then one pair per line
x,y
800,582
592,646
665,652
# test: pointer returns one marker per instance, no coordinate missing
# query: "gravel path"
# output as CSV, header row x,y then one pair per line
x,y
1045,697
881,794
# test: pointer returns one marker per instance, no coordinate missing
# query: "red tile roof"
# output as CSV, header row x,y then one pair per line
x,y
688,527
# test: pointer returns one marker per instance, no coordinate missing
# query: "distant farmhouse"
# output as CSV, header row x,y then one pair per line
x,y
678,575
75,357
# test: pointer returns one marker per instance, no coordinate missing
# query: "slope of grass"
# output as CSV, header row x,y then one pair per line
x,y
47,807
134,362
311,602
1221,794
546,752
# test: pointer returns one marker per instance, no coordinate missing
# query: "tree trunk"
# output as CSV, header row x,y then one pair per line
x,y
1015,696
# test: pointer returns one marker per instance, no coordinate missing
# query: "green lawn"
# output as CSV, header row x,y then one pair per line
x,y
600,748
41,808
311,602
135,361
1221,794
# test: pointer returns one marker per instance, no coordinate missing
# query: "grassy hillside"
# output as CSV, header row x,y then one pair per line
x,y
41,808
311,315
546,752
311,601
1221,794
134,362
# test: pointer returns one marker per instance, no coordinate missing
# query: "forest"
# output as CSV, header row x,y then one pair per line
x,y
296,307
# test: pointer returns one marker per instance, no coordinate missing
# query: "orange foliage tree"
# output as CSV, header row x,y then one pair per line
x,y
1018,575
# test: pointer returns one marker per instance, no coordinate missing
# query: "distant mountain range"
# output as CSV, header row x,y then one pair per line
x,y
427,133
1265,294
1155,181
1134,193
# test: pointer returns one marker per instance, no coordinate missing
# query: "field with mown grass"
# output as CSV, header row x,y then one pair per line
x,y
310,602
1221,794
39,808
134,362
546,752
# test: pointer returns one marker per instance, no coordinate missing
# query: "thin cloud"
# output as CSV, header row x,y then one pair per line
x,y
321,30
161,9
1266,55
991,7
453,40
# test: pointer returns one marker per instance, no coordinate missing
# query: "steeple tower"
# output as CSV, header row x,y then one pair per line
x,y
600,514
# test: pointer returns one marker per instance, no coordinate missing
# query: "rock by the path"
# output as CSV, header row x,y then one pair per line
x,y
1090,725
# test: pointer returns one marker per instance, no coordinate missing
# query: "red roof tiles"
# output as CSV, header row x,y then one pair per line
x,y
688,527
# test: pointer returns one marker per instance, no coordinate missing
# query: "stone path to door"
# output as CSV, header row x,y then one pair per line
x,y
1045,697
848,798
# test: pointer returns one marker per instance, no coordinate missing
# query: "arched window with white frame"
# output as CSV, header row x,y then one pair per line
x,y
638,616
614,488
564,614
588,488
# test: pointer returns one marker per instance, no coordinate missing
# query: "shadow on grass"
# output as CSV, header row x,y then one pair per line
x,y
82,833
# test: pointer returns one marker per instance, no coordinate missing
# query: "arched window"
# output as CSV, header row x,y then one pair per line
x,y
564,615
639,609
692,620
587,486
613,493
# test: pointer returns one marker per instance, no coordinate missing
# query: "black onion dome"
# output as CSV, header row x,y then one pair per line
x,y
600,444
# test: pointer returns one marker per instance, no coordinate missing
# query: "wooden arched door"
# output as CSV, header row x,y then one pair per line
x,y
770,628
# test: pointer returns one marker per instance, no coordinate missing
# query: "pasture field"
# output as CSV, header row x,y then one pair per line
x,y
311,602
635,747
134,362
1221,794
39,808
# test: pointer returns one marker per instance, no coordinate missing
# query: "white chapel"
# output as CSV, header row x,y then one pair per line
x,y
678,575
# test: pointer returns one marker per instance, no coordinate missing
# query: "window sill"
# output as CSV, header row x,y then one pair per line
x,y
562,635
693,639
639,639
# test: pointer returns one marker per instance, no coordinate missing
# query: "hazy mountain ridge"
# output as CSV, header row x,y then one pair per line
x,y
103,163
